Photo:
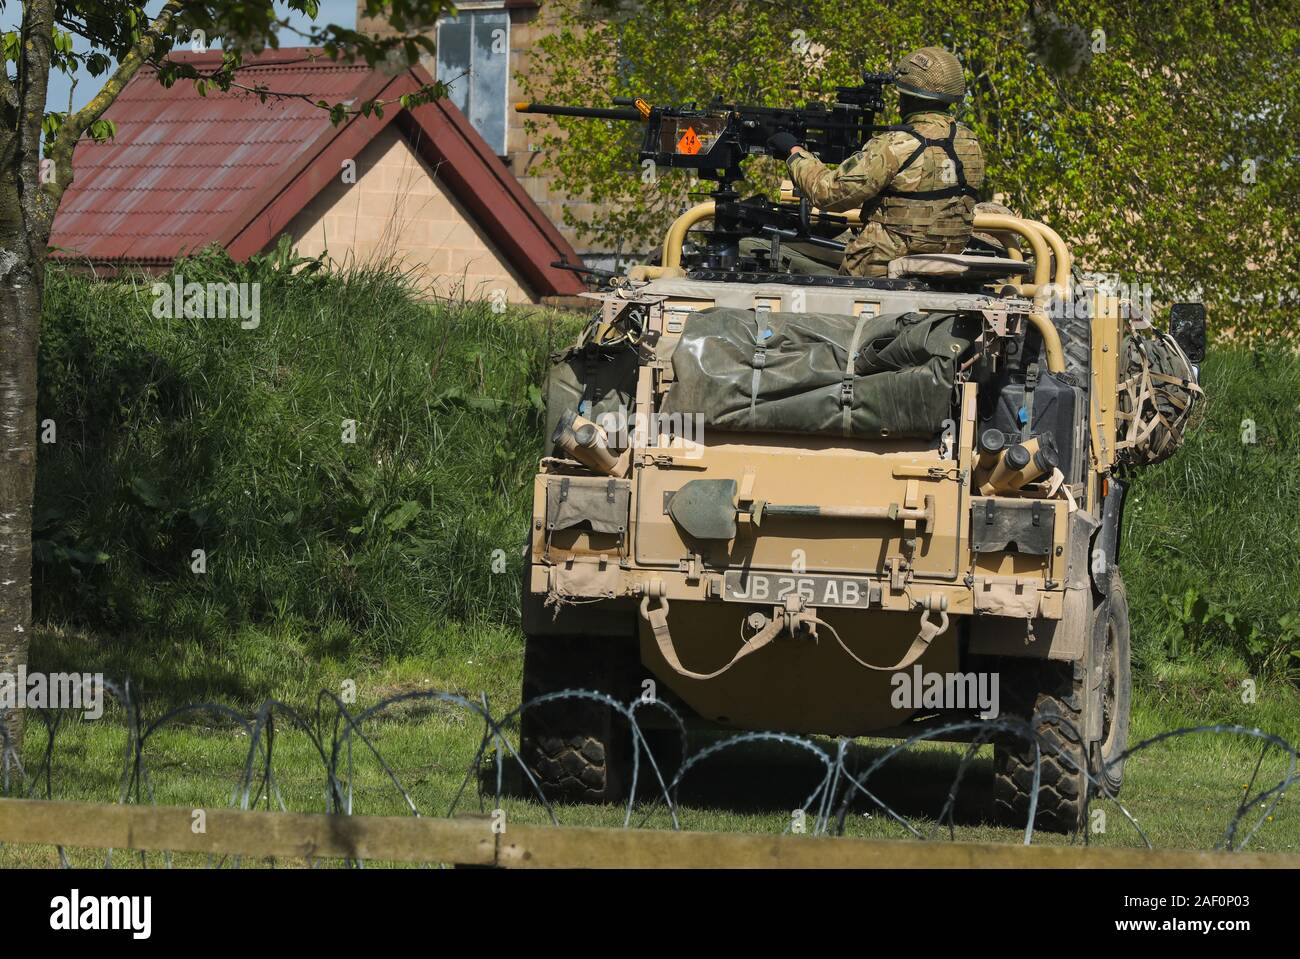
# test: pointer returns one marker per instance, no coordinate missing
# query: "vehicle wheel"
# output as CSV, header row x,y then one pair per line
x,y
578,749
1116,693
1058,693
1059,696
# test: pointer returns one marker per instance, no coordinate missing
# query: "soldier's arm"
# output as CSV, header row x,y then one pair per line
x,y
852,183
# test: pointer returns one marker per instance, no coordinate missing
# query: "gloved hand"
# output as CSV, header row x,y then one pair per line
x,y
780,143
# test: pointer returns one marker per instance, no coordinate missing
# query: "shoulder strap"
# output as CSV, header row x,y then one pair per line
x,y
922,143
948,145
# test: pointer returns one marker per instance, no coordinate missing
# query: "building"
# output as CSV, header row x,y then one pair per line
x,y
419,188
484,85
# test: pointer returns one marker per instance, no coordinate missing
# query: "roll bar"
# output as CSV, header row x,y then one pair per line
x,y
1048,247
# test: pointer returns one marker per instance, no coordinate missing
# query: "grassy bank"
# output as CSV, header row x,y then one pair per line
x,y
176,435
1210,536
1182,793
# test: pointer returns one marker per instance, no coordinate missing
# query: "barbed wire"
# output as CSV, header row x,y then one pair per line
x,y
337,733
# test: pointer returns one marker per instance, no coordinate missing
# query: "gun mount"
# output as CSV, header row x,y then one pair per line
x,y
713,140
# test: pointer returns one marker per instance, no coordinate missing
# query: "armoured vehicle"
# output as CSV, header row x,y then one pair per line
x,y
782,496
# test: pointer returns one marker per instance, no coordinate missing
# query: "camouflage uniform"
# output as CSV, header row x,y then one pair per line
x,y
916,188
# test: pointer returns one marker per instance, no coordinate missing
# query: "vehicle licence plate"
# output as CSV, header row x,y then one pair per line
x,y
743,586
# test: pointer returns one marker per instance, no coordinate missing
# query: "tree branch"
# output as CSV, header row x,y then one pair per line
x,y
76,124
36,53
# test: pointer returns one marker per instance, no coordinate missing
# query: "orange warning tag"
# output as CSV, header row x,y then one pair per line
x,y
689,143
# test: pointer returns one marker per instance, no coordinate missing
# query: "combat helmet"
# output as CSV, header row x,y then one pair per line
x,y
931,73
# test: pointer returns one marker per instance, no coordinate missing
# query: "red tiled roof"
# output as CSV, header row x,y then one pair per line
x,y
185,171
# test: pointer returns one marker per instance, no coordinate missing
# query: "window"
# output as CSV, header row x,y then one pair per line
x,y
474,61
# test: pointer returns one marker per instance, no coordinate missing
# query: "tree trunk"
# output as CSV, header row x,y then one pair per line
x,y
27,205
20,313
26,214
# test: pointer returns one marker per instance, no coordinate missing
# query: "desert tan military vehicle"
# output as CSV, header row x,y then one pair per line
x,y
782,495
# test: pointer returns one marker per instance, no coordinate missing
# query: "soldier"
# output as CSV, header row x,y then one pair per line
x,y
916,185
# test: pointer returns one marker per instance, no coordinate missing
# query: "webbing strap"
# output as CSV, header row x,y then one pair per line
x,y
760,357
922,143
846,384
943,194
924,636
760,361
1031,387
658,620
1144,415
948,145
589,397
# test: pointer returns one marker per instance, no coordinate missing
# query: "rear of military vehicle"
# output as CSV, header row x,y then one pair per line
x,y
690,549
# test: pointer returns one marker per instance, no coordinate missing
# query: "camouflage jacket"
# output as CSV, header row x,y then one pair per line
x,y
909,181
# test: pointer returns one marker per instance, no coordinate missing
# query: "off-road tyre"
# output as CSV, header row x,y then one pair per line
x,y
1052,693
1076,344
1116,693
579,750
1056,697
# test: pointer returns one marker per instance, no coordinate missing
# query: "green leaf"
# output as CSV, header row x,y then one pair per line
x,y
103,129
401,517
147,493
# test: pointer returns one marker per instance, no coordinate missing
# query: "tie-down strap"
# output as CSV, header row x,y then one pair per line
x,y
784,620
925,635
846,382
658,620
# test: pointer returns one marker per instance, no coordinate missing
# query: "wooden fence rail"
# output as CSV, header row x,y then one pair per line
x,y
472,841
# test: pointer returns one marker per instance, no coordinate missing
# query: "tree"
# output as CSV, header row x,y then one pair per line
x,y
1155,135
121,39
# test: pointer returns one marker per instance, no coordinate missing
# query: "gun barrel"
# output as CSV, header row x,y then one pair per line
x,y
592,113
591,270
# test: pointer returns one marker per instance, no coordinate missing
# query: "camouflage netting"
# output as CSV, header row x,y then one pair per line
x,y
1158,396
820,373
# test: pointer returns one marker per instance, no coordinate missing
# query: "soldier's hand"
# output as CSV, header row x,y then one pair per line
x,y
780,143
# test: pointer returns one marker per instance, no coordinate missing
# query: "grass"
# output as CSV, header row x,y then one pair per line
x,y
392,562
1183,793
177,435
1210,535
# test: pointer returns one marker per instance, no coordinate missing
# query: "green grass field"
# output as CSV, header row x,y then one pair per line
x,y
392,562
1182,793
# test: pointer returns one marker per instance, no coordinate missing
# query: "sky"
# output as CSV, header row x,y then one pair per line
x,y
341,12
